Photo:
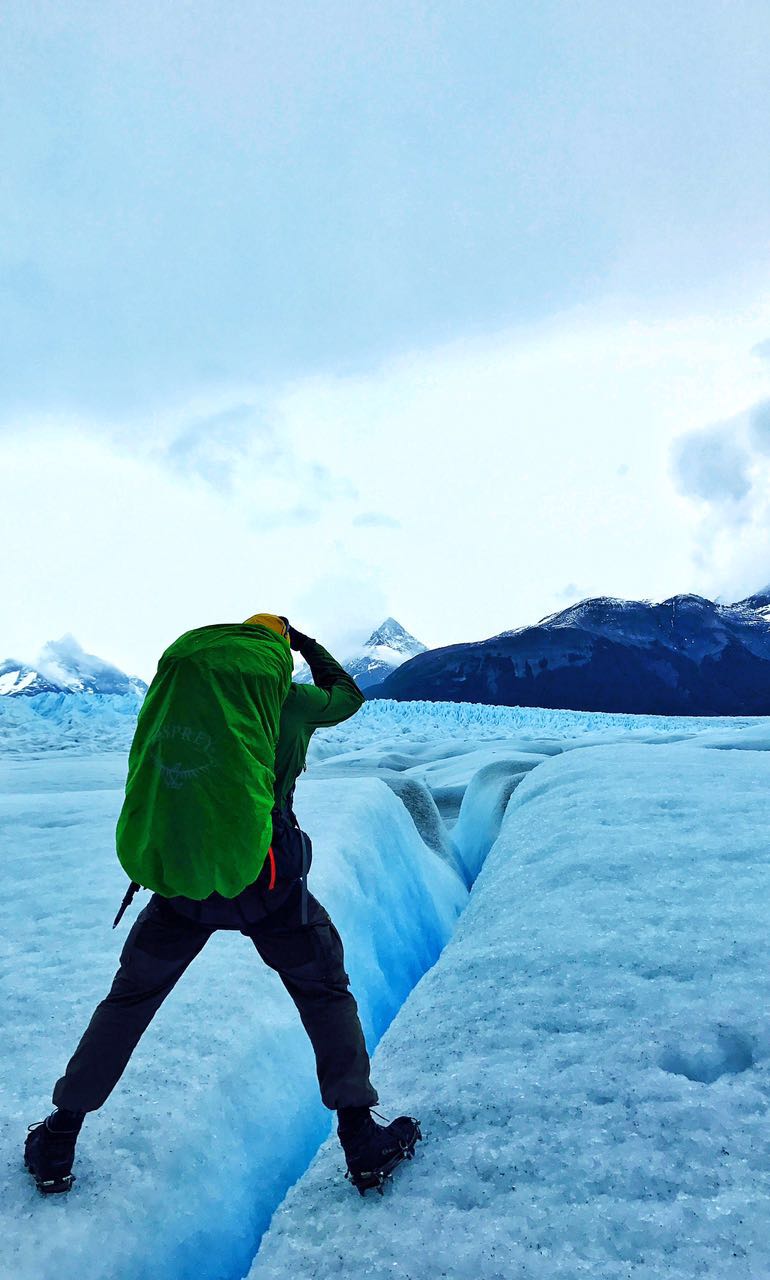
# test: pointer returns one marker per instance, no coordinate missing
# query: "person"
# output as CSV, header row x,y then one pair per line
x,y
290,929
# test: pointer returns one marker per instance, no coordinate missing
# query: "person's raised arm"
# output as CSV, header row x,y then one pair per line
x,y
334,695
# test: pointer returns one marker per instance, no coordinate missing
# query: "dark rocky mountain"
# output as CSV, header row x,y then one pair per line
x,y
64,667
758,602
685,656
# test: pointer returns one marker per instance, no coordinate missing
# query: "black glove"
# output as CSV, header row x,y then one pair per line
x,y
297,639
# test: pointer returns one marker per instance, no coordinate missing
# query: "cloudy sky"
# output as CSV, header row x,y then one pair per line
x,y
447,309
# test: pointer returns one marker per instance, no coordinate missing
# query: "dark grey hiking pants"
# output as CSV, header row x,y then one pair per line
x,y
307,957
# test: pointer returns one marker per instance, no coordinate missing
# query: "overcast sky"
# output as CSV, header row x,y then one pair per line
x,y
457,311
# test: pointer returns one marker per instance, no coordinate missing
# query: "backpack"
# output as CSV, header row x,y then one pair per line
x,y
289,858
197,815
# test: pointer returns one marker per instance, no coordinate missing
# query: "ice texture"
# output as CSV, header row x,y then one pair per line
x,y
73,722
590,1055
218,1112
83,723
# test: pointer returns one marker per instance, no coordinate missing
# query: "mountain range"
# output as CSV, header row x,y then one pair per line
x,y
64,667
685,656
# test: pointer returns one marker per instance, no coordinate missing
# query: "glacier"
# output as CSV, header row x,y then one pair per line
x,y
590,1056
554,927
222,1088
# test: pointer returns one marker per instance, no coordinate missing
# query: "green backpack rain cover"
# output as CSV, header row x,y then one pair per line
x,y
199,793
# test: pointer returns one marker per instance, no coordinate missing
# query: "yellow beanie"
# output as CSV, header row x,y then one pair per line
x,y
272,621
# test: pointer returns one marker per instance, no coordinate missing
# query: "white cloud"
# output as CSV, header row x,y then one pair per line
x,y
517,462
499,469
759,426
213,446
713,464
725,469
375,520
127,554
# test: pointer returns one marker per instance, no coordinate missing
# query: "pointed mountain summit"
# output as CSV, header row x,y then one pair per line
x,y
391,635
388,646
386,649
65,667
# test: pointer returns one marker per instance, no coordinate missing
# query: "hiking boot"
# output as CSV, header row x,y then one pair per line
x,y
49,1150
373,1151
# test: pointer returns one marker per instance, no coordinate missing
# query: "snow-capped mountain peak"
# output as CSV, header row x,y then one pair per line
x,y
388,647
391,635
64,667
18,678
759,602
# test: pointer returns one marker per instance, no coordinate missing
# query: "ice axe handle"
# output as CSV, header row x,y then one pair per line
x,y
126,903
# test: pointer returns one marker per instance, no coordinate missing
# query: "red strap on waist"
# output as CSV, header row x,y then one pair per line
x,y
271,856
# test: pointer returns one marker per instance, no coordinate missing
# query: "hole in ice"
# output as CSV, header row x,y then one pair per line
x,y
724,1053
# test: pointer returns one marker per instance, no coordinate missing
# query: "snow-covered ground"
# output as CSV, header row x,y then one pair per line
x,y
588,1056
218,1111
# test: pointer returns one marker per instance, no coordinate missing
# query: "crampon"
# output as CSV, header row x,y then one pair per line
x,y
403,1134
48,1155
